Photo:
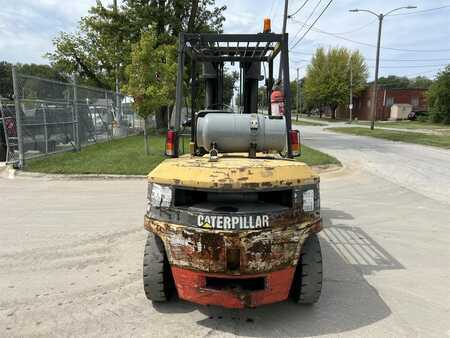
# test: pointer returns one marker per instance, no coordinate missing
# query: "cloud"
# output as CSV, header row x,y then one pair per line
x,y
414,32
27,28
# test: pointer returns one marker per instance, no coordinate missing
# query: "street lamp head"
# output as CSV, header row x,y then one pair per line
x,y
353,10
410,7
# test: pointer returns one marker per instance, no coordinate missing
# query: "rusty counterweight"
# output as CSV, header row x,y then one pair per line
x,y
209,251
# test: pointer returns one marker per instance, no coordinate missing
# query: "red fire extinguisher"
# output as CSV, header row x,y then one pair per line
x,y
277,102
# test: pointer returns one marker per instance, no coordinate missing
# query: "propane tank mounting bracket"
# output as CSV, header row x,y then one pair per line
x,y
213,154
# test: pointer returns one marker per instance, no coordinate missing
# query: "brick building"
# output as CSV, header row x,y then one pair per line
x,y
362,104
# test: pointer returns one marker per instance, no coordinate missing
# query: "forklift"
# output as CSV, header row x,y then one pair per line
x,y
233,223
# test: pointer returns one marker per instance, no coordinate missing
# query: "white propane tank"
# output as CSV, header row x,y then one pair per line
x,y
237,132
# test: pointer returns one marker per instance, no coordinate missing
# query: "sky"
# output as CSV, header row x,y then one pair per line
x,y
415,42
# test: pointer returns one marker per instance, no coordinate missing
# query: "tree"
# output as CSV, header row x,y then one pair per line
x,y
152,76
402,82
393,81
44,71
6,86
102,43
229,85
327,81
439,97
421,82
294,95
102,46
168,19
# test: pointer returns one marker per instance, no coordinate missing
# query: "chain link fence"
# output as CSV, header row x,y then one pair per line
x,y
48,117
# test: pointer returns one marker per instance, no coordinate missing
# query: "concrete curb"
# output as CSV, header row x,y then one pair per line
x,y
11,173
75,177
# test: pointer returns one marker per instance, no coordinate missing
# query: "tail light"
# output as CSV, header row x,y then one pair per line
x,y
294,136
171,143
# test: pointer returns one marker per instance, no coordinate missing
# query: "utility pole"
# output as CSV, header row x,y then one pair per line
x,y
285,15
380,17
350,105
375,82
298,93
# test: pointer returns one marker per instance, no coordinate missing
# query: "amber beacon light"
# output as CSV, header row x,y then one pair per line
x,y
267,25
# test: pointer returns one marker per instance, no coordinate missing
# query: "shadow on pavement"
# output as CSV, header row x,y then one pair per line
x,y
348,301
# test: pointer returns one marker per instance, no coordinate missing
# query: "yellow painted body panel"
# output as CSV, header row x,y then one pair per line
x,y
232,172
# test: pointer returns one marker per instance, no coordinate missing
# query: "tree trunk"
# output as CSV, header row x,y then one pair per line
x,y
192,17
161,118
333,111
146,136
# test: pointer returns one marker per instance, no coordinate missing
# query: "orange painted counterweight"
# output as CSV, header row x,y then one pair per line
x,y
191,286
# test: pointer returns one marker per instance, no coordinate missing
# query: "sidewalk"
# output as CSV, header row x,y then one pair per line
x,y
441,132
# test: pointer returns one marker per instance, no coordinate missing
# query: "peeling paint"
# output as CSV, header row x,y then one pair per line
x,y
206,250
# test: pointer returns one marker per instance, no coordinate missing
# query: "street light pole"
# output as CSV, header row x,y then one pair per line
x,y
298,92
350,104
380,17
377,67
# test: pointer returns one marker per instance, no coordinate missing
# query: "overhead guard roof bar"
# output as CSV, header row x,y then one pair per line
x,y
207,46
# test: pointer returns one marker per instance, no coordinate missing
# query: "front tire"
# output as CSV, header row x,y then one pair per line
x,y
157,275
307,284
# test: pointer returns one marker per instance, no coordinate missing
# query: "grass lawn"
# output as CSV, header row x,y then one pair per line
x,y
323,119
123,157
126,157
410,125
314,157
307,123
442,141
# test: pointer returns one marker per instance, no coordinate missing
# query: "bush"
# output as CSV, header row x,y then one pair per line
x,y
423,118
439,98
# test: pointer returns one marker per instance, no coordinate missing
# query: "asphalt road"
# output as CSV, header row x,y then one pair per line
x,y
71,254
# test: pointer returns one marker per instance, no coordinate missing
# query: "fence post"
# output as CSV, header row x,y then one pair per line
x,y
18,117
76,116
45,127
108,114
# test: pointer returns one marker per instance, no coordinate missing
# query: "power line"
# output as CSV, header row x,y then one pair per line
x,y
299,9
415,66
392,60
307,19
315,21
371,45
359,28
423,72
271,8
347,32
382,59
303,53
422,11
409,60
275,13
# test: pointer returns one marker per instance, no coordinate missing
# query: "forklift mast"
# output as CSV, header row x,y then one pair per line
x,y
211,51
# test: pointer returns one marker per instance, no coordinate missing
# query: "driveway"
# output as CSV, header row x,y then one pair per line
x,y
423,169
71,254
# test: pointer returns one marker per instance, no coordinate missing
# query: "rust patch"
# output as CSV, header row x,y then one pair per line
x,y
260,250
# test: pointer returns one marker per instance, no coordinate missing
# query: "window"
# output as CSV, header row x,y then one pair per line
x,y
389,101
414,101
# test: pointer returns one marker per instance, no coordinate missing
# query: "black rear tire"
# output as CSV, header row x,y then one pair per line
x,y
307,284
158,279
